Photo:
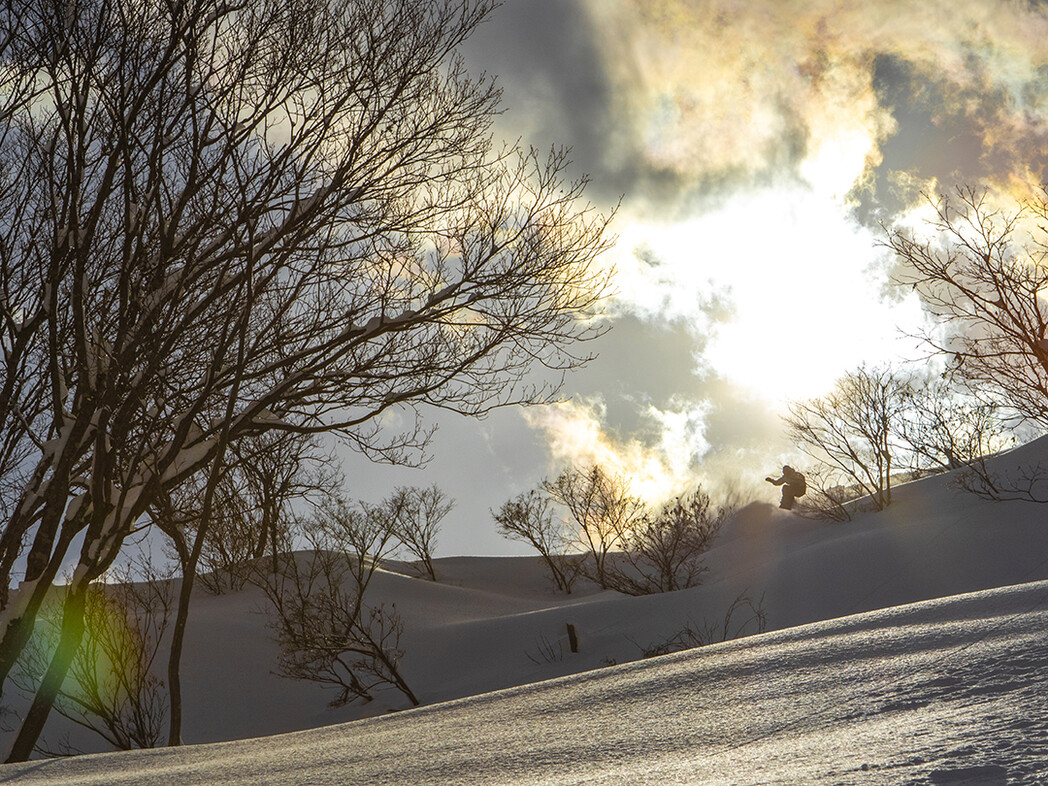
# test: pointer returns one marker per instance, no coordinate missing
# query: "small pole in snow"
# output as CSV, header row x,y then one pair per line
x,y
573,640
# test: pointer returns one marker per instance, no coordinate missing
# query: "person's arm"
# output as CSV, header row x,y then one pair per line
x,y
778,482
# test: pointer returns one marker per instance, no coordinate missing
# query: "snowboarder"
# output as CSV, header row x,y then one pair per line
x,y
793,486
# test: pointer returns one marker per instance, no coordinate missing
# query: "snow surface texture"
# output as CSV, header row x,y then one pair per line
x,y
949,691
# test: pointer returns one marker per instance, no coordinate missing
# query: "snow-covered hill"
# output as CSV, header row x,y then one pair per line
x,y
948,691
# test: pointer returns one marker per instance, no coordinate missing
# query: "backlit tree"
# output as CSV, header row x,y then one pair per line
x,y
222,219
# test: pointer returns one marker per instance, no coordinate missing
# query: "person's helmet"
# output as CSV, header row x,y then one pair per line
x,y
787,468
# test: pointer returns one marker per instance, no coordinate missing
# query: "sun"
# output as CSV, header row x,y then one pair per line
x,y
801,284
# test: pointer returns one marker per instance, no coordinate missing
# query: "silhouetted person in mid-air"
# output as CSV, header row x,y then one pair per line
x,y
793,486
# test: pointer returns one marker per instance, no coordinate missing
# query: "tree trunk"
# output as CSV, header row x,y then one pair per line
x,y
174,662
189,568
18,630
68,643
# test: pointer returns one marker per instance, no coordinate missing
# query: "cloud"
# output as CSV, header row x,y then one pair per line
x,y
985,129
639,408
677,101
556,88
721,443
795,282
759,146
575,435
728,92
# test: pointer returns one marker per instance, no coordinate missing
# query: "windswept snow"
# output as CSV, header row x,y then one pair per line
x,y
907,646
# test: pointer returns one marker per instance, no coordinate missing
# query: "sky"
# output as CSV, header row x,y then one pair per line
x,y
756,152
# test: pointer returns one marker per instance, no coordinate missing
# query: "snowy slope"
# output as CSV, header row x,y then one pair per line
x,y
484,626
948,691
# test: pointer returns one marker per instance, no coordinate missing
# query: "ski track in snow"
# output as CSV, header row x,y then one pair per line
x,y
942,692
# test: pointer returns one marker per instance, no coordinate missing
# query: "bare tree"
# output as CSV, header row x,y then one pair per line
x,y
1022,483
226,219
112,688
277,470
416,514
831,494
632,549
529,518
327,632
263,478
602,510
946,429
199,507
880,425
219,523
982,273
663,551
853,429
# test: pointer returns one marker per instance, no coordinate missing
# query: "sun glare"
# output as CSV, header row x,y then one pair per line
x,y
798,280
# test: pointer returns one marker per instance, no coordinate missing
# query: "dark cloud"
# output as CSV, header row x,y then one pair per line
x,y
548,62
550,59
642,363
950,132
571,79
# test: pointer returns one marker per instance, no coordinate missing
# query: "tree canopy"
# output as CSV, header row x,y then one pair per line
x,y
223,218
